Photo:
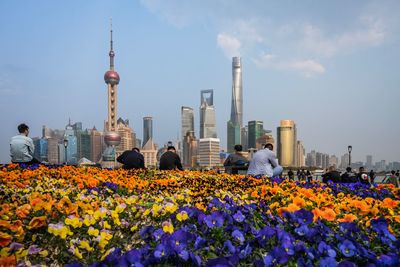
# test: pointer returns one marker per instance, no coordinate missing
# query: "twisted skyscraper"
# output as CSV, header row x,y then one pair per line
x,y
235,124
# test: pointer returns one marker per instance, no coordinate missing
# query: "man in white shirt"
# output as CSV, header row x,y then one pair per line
x,y
21,146
264,162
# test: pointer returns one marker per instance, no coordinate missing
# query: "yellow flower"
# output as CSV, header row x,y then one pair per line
x,y
134,228
182,216
89,220
171,208
168,227
120,208
73,221
4,252
93,232
146,212
155,209
85,245
78,254
106,225
44,253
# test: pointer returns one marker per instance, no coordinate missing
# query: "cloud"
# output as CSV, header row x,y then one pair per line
x,y
372,33
229,44
307,67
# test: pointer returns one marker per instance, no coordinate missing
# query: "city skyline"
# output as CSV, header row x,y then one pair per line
x,y
353,62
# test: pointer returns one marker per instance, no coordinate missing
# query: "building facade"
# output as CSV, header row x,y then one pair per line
x,y
187,118
147,129
127,136
235,124
208,150
96,144
286,143
255,130
189,156
207,115
149,152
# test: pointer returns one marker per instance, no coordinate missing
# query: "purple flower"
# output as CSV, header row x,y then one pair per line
x,y
347,264
264,235
74,264
302,230
245,252
158,234
347,248
178,240
287,245
231,248
323,248
161,251
390,259
113,257
303,216
33,249
199,243
276,256
134,256
215,219
184,255
15,246
238,216
328,262
380,226
238,236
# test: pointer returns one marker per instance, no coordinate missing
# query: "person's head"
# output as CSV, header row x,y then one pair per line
x,y
393,172
269,146
171,148
348,169
361,169
332,168
136,149
23,129
238,148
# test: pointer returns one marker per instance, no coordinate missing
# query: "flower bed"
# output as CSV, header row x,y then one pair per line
x,y
89,216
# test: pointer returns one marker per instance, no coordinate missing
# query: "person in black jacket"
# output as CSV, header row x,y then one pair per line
x,y
170,160
132,159
332,175
348,176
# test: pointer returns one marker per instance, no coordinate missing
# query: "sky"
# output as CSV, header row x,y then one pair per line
x,y
331,66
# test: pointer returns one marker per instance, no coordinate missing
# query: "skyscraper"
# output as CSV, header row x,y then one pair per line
x,y
300,154
368,164
72,147
207,115
190,144
286,143
96,142
235,124
187,120
147,129
256,130
209,152
111,138
127,136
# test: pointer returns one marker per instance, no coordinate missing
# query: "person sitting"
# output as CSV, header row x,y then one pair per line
x,y
332,175
22,147
170,160
362,177
132,159
235,160
264,162
348,176
290,175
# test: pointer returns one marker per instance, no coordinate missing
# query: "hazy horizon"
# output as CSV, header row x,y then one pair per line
x,y
335,76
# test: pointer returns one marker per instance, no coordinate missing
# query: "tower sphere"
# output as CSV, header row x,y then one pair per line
x,y
111,77
112,139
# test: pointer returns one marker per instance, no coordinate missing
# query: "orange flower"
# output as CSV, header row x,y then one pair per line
x,y
299,202
37,222
390,203
348,218
8,261
23,211
317,213
329,215
5,239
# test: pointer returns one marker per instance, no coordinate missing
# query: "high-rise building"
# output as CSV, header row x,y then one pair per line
x,y
147,129
187,120
235,124
286,143
41,148
300,155
149,152
84,144
127,136
255,130
189,157
369,164
264,139
344,161
207,115
333,161
111,137
209,152
72,146
96,142
52,150
311,159
244,132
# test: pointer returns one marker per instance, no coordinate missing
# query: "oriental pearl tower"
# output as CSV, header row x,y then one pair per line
x,y
111,138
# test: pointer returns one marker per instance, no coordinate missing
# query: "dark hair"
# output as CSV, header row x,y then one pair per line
x,y
238,148
393,172
348,169
136,149
269,146
22,128
171,148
